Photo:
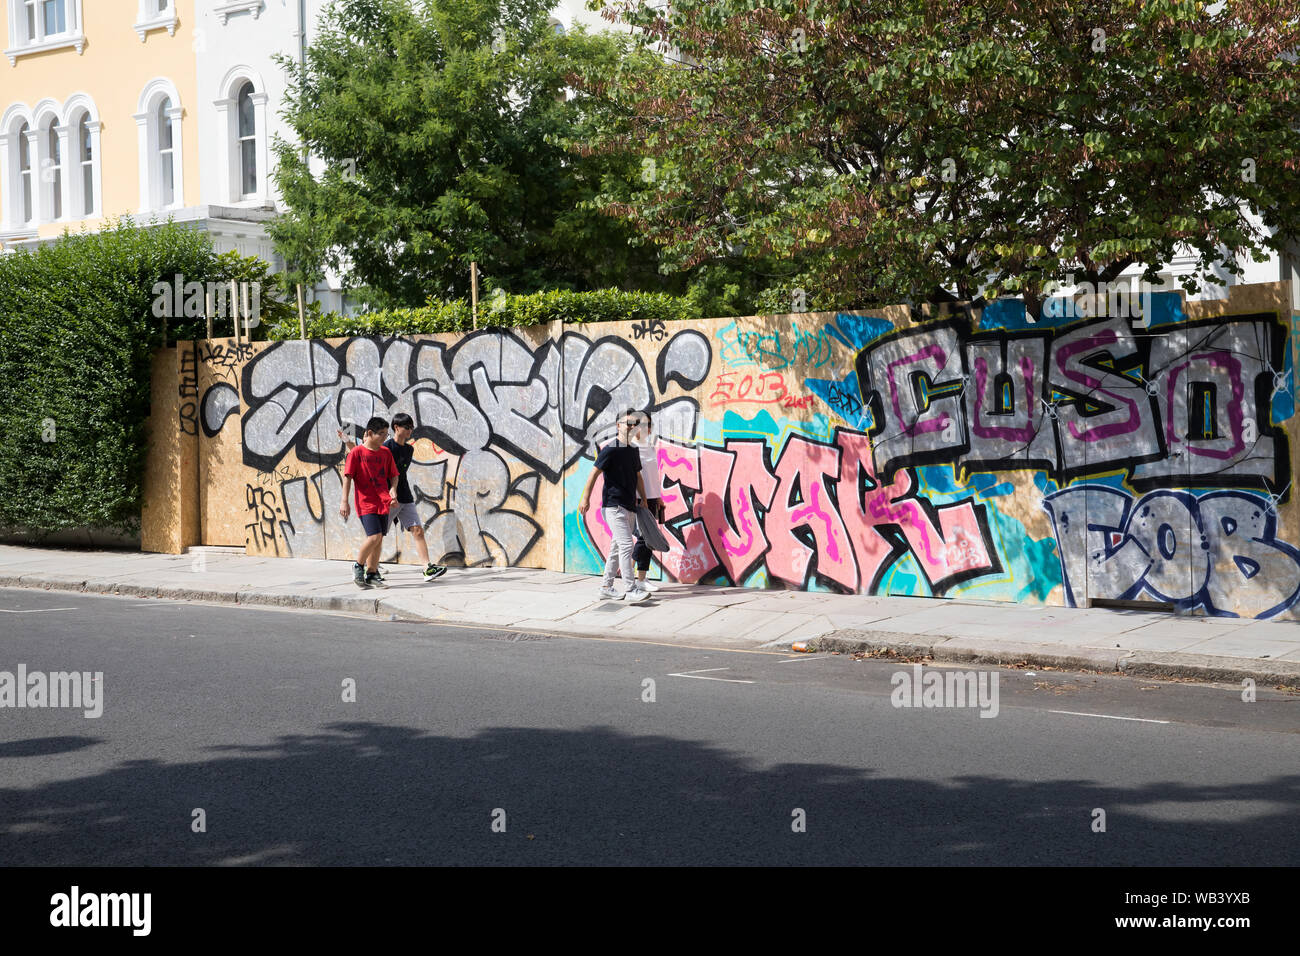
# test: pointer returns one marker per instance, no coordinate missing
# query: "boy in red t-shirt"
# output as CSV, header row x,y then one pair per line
x,y
371,466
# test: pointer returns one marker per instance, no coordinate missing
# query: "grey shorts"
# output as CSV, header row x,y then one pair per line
x,y
404,515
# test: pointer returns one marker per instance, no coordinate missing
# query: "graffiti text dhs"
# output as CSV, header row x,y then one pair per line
x,y
1175,404
933,688
218,300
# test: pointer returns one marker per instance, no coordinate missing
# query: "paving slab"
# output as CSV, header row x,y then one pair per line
x,y
1244,647
750,627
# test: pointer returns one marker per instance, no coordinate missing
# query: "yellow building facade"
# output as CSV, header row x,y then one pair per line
x,y
97,101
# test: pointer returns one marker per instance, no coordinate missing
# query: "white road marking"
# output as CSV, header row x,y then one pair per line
x,y
1075,713
695,675
814,657
37,610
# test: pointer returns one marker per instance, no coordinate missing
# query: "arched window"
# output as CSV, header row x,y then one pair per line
x,y
166,154
25,171
86,157
55,167
160,126
247,142
243,163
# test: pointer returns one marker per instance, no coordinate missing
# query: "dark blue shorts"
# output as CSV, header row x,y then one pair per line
x,y
374,524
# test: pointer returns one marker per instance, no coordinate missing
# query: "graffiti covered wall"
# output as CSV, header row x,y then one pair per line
x,y
981,455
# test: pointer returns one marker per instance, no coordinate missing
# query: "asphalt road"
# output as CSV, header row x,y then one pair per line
x,y
240,713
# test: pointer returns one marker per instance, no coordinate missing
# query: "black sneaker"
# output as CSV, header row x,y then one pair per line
x,y
375,580
359,576
434,571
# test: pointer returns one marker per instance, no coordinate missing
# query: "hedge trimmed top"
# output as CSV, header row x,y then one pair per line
x,y
508,311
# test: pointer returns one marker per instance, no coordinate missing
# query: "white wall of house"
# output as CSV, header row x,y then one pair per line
x,y
235,43
569,12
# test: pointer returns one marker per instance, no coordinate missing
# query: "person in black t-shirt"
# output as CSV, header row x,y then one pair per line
x,y
404,513
619,463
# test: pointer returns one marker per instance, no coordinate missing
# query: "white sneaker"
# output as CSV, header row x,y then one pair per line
x,y
648,585
634,594
607,594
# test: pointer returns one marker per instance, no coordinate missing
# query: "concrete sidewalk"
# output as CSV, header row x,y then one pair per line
x,y
1150,644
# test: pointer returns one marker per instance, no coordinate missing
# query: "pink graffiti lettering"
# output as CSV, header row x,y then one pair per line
x,y
821,511
737,475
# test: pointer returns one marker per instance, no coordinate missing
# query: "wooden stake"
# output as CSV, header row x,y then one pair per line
x,y
302,313
473,291
243,300
234,308
207,308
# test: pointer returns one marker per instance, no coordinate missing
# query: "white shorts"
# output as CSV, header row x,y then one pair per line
x,y
404,515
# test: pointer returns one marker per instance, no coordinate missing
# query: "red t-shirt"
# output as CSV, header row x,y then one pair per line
x,y
372,472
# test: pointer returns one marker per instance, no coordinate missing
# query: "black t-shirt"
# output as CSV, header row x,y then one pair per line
x,y
620,464
402,454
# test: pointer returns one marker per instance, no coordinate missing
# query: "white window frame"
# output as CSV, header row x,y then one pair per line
x,y
77,106
147,130
20,45
164,158
231,7
66,122
13,226
229,178
53,189
29,193
147,18
240,139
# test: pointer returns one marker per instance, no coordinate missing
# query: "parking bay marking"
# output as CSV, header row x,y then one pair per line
x,y
696,675
1075,713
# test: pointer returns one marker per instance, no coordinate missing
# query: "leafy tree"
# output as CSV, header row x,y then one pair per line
x,y
437,124
918,150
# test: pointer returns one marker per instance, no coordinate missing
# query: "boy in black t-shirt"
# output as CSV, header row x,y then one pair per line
x,y
623,491
404,513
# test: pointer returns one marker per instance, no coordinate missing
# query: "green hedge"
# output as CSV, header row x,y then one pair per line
x,y
76,333
604,305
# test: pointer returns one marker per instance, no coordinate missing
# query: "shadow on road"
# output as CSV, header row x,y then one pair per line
x,y
366,793
45,746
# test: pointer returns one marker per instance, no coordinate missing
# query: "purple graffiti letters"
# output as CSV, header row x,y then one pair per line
x,y
1183,402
